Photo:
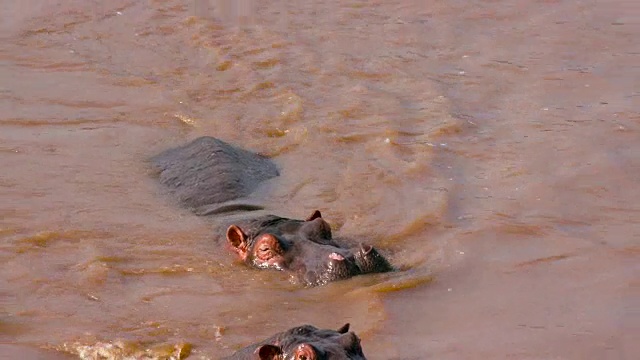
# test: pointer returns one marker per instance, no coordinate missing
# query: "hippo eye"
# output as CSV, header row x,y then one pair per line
x,y
305,352
267,247
265,252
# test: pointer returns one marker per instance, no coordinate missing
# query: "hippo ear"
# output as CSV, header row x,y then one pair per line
x,y
344,329
350,341
316,214
238,240
268,352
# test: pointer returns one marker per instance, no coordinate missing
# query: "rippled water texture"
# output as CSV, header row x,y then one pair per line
x,y
491,149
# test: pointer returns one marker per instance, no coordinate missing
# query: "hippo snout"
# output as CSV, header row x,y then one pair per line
x,y
364,260
369,260
340,267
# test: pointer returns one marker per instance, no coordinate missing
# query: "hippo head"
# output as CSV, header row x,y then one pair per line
x,y
305,248
309,343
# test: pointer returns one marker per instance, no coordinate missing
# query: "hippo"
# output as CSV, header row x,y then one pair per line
x,y
304,248
305,342
208,176
210,171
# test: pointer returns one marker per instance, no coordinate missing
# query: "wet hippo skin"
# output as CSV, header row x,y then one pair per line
x,y
305,248
210,171
305,343
209,175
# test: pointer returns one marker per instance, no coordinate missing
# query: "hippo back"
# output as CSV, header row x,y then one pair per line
x,y
210,171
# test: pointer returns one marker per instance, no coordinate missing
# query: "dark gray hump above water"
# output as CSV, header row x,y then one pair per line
x,y
210,171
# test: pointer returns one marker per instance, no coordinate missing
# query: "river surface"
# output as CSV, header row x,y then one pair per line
x,y
490,148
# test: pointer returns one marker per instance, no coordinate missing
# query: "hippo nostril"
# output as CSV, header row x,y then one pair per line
x,y
365,249
339,266
369,260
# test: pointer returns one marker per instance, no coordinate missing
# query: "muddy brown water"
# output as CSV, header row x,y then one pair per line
x,y
492,149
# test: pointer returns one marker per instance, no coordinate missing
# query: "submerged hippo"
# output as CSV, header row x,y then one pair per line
x,y
305,343
305,248
209,175
209,171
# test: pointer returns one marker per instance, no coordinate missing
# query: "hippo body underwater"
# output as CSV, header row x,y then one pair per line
x,y
209,175
305,343
209,171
